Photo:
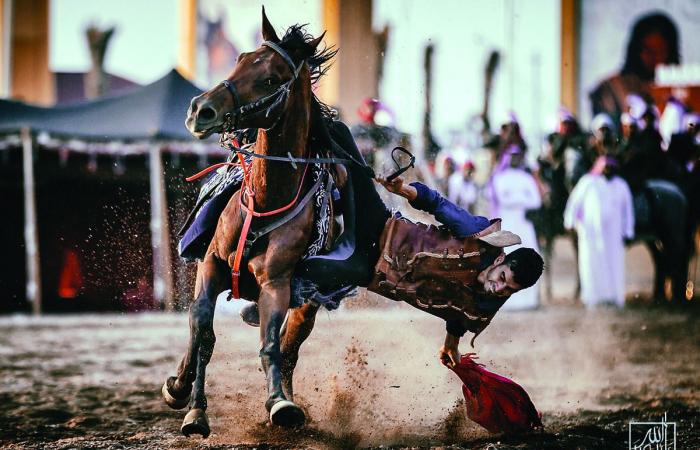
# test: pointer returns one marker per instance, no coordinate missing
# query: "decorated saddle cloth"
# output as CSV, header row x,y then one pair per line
x,y
430,269
198,230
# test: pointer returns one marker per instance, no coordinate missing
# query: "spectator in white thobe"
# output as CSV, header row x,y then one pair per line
x,y
514,191
600,210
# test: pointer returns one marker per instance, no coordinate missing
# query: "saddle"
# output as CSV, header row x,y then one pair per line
x,y
351,258
428,268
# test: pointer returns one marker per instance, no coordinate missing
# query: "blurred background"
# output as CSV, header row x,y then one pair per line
x,y
93,150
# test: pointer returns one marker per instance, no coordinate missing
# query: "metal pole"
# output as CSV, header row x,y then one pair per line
x,y
31,241
160,236
6,48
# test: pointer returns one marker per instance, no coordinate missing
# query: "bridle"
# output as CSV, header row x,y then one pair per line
x,y
264,104
267,104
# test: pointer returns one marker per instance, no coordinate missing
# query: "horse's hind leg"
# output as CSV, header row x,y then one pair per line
x,y
178,391
300,323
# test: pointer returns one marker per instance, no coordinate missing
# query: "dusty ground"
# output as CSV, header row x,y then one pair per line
x,y
367,378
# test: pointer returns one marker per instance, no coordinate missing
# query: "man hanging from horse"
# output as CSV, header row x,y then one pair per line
x,y
498,275
492,277
265,245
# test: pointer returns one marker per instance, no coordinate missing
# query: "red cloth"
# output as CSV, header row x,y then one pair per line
x,y
71,279
496,403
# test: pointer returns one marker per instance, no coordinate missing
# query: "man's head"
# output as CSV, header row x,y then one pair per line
x,y
468,169
654,41
628,124
511,273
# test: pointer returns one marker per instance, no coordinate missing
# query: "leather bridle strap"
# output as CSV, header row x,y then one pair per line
x,y
266,103
231,87
285,56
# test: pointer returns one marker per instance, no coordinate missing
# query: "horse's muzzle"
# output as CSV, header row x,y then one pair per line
x,y
203,118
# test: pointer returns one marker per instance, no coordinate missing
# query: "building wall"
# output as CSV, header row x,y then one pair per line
x,y
526,33
145,45
31,79
352,77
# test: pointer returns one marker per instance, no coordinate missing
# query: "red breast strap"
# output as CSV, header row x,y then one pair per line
x,y
235,270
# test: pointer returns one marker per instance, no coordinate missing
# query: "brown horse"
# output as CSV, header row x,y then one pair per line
x,y
269,89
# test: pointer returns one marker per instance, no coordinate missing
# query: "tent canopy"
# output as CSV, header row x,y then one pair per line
x,y
153,112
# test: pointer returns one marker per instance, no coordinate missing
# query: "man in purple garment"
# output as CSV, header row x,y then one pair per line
x,y
500,276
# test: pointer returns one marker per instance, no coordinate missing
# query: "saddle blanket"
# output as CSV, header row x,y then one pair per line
x,y
215,195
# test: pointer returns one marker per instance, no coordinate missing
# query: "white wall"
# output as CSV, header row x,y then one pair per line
x,y
143,48
605,29
464,32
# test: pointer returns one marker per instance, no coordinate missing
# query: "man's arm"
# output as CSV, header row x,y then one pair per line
x,y
460,221
449,353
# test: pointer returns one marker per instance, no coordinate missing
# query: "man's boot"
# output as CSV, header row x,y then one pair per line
x,y
250,315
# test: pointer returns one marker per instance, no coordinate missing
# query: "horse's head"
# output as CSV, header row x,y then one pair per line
x,y
255,94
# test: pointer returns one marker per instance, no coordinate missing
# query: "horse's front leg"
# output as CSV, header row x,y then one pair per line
x,y
274,303
178,391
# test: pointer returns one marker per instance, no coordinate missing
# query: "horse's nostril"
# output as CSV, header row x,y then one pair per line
x,y
207,114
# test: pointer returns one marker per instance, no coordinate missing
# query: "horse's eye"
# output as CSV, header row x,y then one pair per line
x,y
270,81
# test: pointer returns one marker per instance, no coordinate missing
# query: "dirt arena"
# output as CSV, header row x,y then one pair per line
x,y
366,377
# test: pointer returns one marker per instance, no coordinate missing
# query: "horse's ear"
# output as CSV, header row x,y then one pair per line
x,y
314,42
268,31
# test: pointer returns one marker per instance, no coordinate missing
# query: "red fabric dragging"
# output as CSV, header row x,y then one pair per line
x,y
496,403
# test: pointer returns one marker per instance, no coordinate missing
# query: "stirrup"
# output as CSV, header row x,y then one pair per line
x,y
250,315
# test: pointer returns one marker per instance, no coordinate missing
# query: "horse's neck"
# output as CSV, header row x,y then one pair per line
x,y
276,183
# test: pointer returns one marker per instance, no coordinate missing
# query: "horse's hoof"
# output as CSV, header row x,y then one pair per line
x,y
195,422
250,314
170,399
286,414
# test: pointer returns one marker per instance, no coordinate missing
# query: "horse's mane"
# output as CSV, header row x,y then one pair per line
x,y
296,42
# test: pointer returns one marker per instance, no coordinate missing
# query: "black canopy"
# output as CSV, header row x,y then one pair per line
x,y
153,112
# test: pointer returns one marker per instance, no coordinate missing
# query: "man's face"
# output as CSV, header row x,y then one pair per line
x,y
497,279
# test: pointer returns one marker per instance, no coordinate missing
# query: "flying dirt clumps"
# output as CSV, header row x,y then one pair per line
x,y
351,407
